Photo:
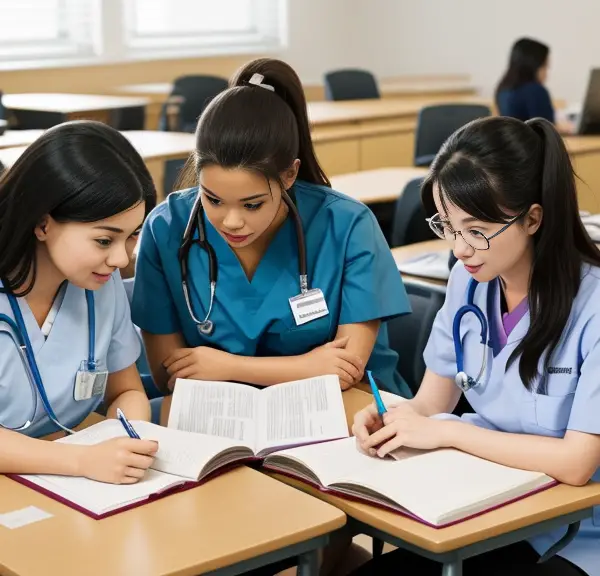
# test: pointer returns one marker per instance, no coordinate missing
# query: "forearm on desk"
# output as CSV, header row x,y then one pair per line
x,y
571,460
20,454
267,371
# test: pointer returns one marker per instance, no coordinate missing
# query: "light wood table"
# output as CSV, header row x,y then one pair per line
x,y
72,106
13,138
403,253
376,186
442,89
153,146
233,523
514,522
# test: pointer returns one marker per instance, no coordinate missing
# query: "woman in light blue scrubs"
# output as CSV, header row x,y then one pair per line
x,y
253,147
67,209
504,196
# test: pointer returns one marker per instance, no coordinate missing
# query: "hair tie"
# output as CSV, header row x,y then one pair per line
x,y
257,80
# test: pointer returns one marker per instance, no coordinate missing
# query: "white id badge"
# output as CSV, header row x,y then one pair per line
x,y
89,383
308,306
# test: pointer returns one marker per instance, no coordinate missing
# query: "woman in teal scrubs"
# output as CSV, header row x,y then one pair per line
x,y
254,166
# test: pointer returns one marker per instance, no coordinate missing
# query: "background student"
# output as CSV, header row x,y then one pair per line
x,y
67,209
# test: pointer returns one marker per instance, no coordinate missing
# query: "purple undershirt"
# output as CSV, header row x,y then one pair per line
x,y
505,323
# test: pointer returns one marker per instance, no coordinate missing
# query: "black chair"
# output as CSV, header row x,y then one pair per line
x,y
409,224
131,118
437,122
36,119
196,92
350,84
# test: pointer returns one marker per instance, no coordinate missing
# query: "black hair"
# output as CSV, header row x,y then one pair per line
x,y
255,128
496,167
79,171
527,56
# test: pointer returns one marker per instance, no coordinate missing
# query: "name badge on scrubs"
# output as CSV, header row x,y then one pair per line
x,y
308,306
89,383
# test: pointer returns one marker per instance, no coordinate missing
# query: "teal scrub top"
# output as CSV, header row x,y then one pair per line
x,y
347,257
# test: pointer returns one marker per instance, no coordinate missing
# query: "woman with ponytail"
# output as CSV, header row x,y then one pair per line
x,y
254,181
502,192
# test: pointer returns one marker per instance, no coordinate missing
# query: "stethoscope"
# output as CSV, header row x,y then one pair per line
x,y
196,222
462,379
18,334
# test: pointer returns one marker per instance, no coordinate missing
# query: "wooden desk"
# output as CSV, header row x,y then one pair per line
x,y
405,252
233,523
512,523
72,106
153,146
13,138
376,186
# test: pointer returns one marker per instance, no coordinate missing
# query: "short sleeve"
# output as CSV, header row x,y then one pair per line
x,y
586,403
372,286
439,353
152,306
538,102
124,348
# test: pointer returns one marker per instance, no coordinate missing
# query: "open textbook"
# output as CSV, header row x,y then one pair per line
x,y
428,265
220,424
437,487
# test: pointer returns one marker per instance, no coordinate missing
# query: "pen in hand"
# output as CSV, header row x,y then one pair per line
x,y
127,425
381,409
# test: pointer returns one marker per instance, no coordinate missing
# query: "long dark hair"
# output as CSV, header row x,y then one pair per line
x,y
495,167
527,56
258,129
78,171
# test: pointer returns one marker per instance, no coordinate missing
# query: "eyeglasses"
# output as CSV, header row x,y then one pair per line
x,y
474,238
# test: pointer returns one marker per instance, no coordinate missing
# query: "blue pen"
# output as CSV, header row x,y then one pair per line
x,y
381,409
127,425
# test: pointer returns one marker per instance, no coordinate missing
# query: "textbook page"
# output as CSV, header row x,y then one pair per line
x,y
216,409
465,484
301,412
428,265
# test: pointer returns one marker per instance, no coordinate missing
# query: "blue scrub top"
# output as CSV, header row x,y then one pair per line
x,y
566,396
348,259
531,100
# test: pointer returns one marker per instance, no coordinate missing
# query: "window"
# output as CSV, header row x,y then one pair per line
x,y
59,32
208,25
38,29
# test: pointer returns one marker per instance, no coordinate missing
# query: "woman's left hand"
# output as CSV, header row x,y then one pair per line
x,y
405,428
201,363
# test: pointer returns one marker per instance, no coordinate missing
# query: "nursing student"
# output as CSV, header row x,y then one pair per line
x,y
521,93
67,209
502,192
261,273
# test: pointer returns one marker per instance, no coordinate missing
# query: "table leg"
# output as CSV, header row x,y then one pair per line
x,y
452,568
308,563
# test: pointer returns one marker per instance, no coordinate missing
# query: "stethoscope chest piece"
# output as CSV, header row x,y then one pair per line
x,y
206,327
464,381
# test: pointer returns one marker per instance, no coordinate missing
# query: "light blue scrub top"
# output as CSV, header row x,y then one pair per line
x,y
347,257
568,397
59,356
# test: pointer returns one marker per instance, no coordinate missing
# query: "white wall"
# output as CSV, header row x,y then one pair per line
x,y
474,36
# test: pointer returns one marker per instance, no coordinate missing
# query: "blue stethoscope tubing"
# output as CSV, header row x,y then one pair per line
x,y
462,379
19,335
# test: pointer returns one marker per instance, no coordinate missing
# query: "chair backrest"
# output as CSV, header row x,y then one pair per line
x,y
197,92
408,334
350,84
409,224
130,118
437,123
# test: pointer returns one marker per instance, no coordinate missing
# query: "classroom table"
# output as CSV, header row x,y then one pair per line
x,y
154,147
512,523
14,138
72,106
377,186
403,253
231,524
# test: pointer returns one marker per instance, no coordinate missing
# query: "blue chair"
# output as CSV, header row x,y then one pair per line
x,y
409,224
350,84
436,123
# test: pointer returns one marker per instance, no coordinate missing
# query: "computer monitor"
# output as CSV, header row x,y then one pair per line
x,y
589,118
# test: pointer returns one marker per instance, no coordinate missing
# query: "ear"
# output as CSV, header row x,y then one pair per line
x,y
41,230
533,219
288,177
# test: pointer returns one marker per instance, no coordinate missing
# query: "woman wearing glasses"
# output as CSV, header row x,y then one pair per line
x,y
504,195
